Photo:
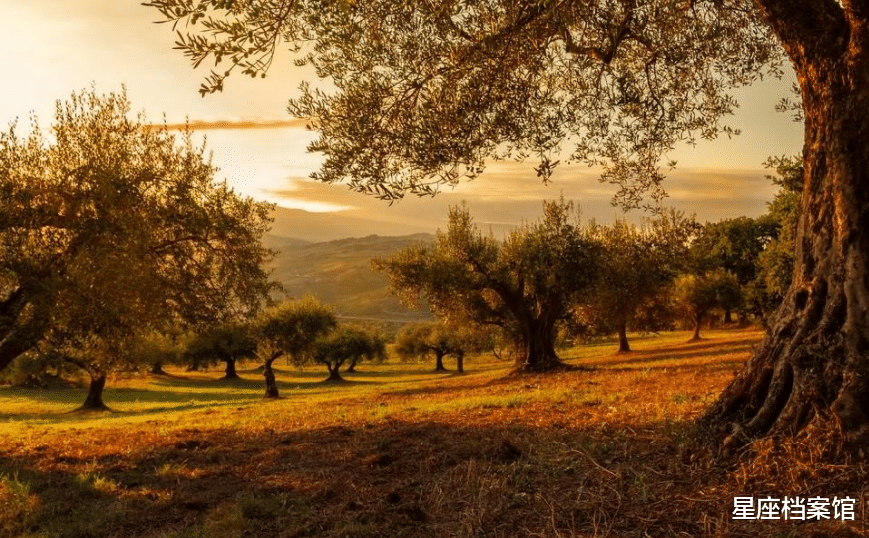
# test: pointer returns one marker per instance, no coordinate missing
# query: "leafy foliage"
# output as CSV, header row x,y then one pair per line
x,y
735,245
158,348
636,268
111,226
228,343
291,328
419,341
421,93
776,262
697,295
525,284
36,368
345,345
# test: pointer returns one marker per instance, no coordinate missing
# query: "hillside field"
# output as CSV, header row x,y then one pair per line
x,y
339,273
401,451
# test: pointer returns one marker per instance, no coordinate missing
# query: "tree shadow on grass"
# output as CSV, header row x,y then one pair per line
x,y
388,478
369,372
704,351
133,402
438,389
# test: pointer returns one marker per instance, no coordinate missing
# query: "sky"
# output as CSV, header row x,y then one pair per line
x,y
51,49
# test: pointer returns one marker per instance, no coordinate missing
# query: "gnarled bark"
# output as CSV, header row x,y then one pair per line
x,y
813,364
537,347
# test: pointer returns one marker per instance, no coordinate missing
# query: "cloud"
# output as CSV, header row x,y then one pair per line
x,y
507,195
236,124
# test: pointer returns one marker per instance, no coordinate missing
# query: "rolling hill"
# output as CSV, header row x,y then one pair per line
x,y
339,273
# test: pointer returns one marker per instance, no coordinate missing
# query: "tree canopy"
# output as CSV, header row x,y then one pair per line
x,y
425,92
291,328
525,284
776,262
346,345
698,294
111,225
637,265
227,342
421,340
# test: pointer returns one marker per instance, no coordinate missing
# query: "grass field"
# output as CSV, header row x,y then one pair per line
x,y
399,450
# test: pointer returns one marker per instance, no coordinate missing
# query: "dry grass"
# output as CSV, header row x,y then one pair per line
x,y
401,451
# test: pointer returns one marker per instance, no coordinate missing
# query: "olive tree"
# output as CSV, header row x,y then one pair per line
x,y
96,353
373,347
291,328
697,295
345,345
227,342
159,347
425,339
735,245
421,93
525,284
637,265
110,226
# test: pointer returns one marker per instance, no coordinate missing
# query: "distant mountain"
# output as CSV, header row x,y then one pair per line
x,y
339,273
319,227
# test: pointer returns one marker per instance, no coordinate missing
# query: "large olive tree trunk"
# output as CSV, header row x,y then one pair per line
x,y
536,351
814,363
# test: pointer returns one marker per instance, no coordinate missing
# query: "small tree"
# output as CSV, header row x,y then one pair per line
x,y
699,294
637,264
345,345
290,329
158,348
374,351
227,343
96,356
736,246
420,341
525,284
